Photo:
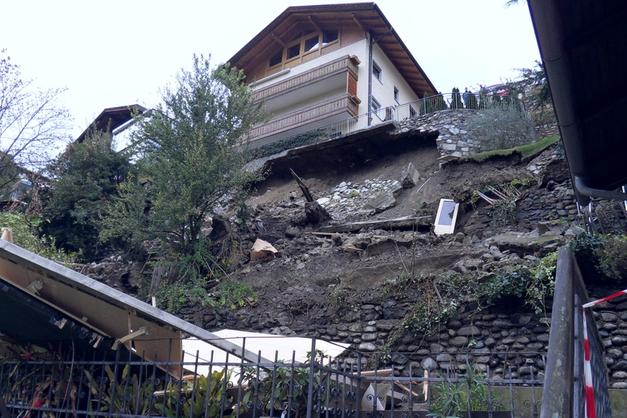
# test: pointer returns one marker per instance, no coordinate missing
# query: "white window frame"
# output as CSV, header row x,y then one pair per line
x,y
440,229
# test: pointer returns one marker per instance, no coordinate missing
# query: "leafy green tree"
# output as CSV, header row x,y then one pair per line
x,y
191,161
86,176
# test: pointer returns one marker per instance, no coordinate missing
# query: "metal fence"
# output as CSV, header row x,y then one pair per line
x,y
564,380
395,113
118,383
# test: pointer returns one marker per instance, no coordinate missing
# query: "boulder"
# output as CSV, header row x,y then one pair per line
x,y
262,251
409,176
381,201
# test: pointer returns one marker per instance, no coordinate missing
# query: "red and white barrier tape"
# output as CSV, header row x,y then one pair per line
x,y
587,372
587,355
605,299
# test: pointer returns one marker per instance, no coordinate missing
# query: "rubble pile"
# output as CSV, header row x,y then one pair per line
x,y
348,201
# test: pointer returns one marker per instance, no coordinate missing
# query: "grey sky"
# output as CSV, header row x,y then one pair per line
x,y
120,52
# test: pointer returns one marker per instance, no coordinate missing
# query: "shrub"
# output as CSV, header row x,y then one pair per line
x,y
86,177
25,235
613,257
501,127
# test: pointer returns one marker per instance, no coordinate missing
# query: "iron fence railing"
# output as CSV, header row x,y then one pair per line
x,y
564,391
120,384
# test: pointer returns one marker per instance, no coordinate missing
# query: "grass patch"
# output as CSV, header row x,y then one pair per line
x,y
526,150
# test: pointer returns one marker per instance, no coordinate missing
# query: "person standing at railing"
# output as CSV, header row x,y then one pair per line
x,y
466,97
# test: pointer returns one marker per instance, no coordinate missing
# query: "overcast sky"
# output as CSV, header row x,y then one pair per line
x,y
117,52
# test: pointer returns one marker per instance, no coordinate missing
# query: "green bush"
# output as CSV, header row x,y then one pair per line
x,y
86,177
25,235
501,127
613,257
601,256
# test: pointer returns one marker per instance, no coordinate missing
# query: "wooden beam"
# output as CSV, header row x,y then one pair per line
x,y
314,23
277,39
356,20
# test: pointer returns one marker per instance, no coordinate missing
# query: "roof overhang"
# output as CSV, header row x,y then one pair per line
x,y
111,118
367,15
583,44
102,309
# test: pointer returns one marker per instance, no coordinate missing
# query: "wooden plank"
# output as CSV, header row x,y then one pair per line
x,y
404,223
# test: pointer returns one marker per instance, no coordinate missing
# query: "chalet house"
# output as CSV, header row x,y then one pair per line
x,y
341,67
116,122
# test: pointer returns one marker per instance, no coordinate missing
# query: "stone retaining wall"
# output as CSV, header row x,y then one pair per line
x,y
454,138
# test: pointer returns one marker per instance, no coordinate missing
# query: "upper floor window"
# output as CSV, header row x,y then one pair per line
x,y
304,44
375,105
376,70
276,59
396,95
329,36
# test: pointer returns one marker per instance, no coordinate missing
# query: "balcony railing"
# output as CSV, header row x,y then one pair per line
x,y
319,111
346,63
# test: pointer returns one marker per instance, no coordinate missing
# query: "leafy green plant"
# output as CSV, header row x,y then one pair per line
x,y
120,395
192,396
613,257
231,294
501,127
24,230
455,399
86,177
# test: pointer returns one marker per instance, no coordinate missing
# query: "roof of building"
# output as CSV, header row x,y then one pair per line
x,y
91,304
366,15
582,43
111,118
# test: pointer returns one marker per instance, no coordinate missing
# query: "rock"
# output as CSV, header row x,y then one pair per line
x,y
400,359
381,201
367,347
619,375
619,385
469,330
315,214
459,341
574,231
454,324
609,317
543,338
436,348
619,340
369,337
323,201
262,251
220,228
292,232
444,357
409,176
429,364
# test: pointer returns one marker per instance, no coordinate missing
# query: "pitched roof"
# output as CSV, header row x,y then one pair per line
x,y
366,15
111,118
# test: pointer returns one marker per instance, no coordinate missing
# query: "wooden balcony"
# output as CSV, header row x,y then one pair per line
x,y
347,63
345,106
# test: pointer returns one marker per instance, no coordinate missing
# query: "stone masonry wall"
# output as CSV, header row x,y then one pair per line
x,y
454,138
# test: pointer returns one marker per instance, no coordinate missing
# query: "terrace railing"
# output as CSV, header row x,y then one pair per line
x,y
564,379
120,384
391,114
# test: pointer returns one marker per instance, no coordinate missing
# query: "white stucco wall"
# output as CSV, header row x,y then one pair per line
x,y
383,90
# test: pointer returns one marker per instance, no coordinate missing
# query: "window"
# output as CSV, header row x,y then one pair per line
x,y
311,44
276,59
396,96
375,106
412,112
293,51
329,36
376,70
446,217
303,44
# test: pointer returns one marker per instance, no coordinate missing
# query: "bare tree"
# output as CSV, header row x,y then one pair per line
x,y
33,125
